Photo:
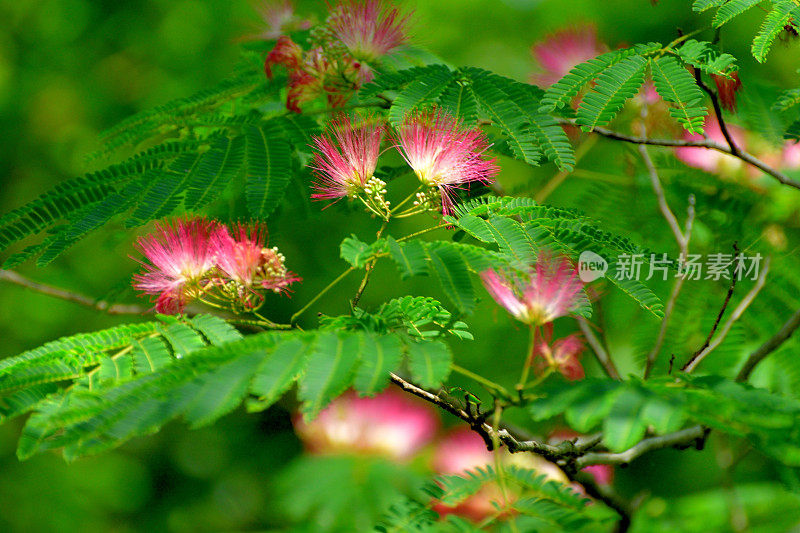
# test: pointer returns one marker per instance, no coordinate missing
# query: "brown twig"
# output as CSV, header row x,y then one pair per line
x,y
601,354
670,440
708,144
682,237
570,455
772,344
737,313
70,296
718,112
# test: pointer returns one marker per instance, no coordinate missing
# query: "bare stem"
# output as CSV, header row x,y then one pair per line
x,y
737,313
599,351
708,144
63,294
490,385
320,294
526,368
770,346
678,438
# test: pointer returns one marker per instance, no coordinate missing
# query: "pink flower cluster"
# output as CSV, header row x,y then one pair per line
x,y
537,296
399,427
202,259
355,34
443,154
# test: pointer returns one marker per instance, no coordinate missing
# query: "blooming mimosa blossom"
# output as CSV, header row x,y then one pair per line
x,y
547,291
368,29
346,157
244,258
390,424
563,354
712,160
443,154
561,51
179,257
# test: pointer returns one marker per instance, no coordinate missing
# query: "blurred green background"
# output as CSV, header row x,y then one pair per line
x,y
69,69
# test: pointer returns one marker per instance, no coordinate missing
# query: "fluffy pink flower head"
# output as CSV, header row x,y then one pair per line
x,y
562,50
712,160
390,424
545,292
346,157
368,28
279,18
563,353
179,257
443,154
244,258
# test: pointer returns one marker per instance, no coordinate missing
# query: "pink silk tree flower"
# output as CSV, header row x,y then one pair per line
x,y
549,290
346,157
368,29
179,256
443,154
390,424
563,354
562,50
244,258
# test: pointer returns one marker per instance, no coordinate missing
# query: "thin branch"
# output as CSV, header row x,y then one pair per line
x,y
720,314
676,290
570,455
737,313
669,216
682,236
718,112
600,353
63,294
711,145
770,346
678,438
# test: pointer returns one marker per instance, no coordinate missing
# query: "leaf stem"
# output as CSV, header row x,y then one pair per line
x,y
421,232
489,384
320,294
526,368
